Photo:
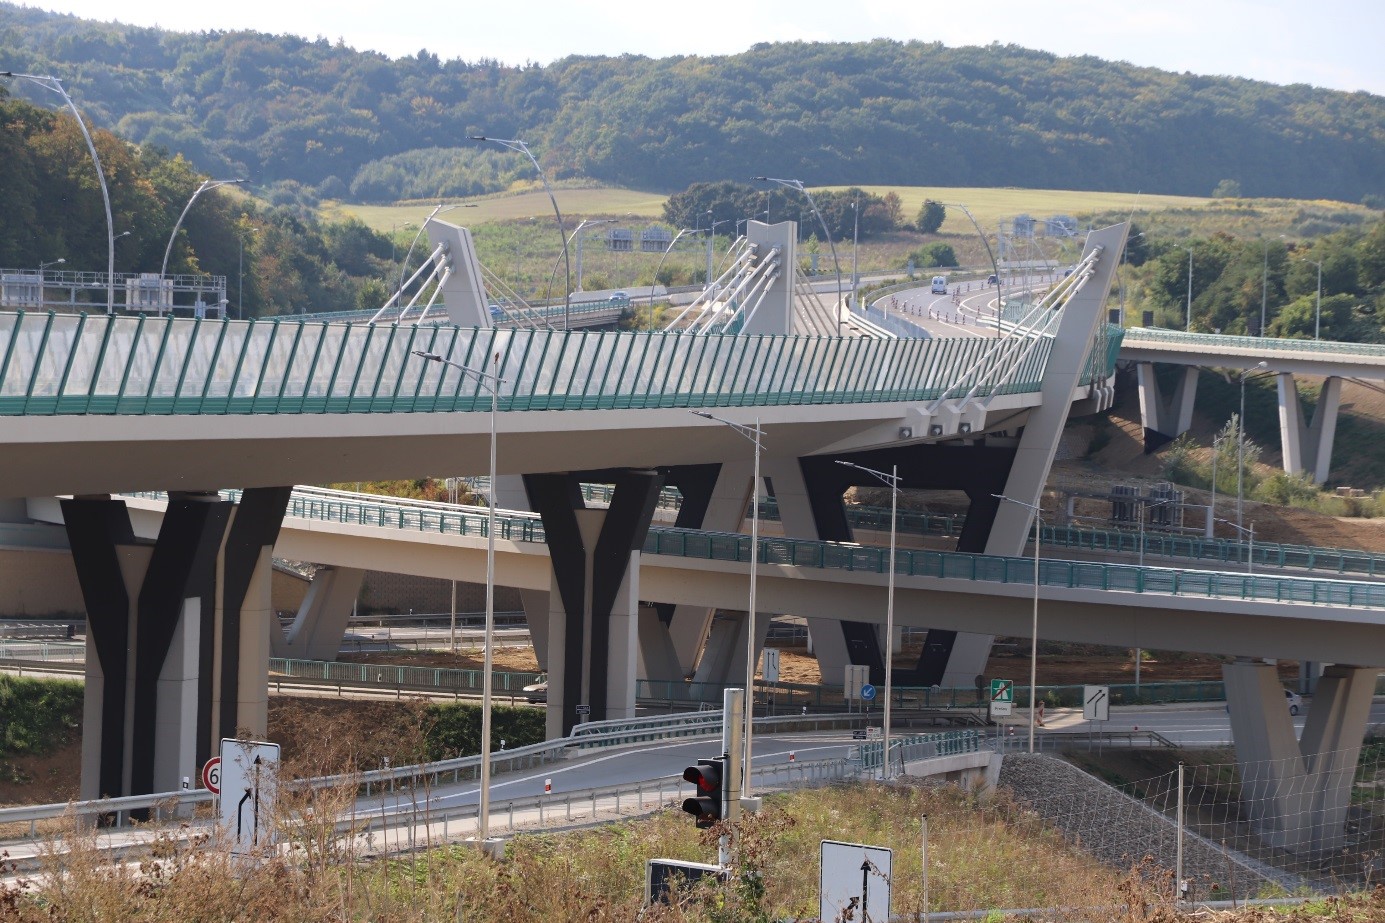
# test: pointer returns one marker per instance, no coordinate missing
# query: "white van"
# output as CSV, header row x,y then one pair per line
x,y
940,285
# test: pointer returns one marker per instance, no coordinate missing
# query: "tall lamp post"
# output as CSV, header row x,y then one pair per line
x,y
1125,253
515,144
798,185
1265,285
655,281
491,381
995,266
1317,313
755,435
1241,444
55,85
711,240
890,480
577,236
1188,312
1034,645
206,184
855,247
240,276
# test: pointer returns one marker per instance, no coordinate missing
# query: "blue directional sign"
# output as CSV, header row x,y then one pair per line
x,y
868,692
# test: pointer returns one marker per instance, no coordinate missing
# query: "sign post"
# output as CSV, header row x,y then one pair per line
x,y
1096,703
854,882
248,782
856,677
1002,697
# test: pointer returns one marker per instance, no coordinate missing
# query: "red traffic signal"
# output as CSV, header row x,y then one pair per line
x,y
707,775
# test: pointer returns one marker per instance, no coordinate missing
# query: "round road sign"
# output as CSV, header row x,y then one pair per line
x,y
211,775
868,692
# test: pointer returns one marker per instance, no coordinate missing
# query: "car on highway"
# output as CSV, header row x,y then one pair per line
x,y
939,285
1292,700
537,691
992,279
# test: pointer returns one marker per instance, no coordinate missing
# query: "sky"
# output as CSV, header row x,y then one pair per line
x,y
1338,44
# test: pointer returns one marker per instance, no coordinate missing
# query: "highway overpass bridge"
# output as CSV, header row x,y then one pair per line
x,y
180,628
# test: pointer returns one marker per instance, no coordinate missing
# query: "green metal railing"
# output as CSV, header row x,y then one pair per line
x,y
920,747
723,546
390,676
111,364
996,569
1212,341
438,313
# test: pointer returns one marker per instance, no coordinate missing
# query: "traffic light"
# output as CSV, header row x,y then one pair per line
x,y
707,775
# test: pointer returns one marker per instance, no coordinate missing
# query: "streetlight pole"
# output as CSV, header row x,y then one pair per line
x,y
1125,260
1034,645
491,381
206,184
515,144
577,236
711,240
855,247
798,184
240,276
755,435
1188,315
55,85
655,281
995,266
1241,445
1265,285
1317,313
892,481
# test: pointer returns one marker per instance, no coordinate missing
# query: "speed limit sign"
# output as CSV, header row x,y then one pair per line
x,y
211,775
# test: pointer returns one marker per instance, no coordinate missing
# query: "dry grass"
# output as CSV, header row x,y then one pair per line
x,y
981,856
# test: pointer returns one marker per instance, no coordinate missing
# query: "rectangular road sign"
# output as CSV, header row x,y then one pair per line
x,y
1002,690
855,676
249,791
1096,703
854,882
769,668
1001,709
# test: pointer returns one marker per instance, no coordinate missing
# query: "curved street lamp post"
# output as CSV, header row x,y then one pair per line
x,y
206,185
890,480
55,85
515,144
491,381
755,435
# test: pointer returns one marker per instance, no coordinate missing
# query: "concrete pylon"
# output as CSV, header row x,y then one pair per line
x,y
1165,417
1307,446
1072,343
463,290
775,313
320,624
1297,792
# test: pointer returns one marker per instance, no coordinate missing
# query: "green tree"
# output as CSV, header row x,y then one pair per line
x,y
936,253
931,217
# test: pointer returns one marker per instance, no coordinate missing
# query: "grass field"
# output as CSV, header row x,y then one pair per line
x,y
1163,214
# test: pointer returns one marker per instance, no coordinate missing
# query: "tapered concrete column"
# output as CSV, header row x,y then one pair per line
x,y
148,615
1297,792
1307,446
511,495
594,596
1165,418
320,624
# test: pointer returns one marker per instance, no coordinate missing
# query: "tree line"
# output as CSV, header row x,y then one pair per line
x,y
291,113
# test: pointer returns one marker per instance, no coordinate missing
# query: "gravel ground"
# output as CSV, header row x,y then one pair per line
x,y
1121,831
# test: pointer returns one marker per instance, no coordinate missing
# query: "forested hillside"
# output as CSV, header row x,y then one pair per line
x,y
347,123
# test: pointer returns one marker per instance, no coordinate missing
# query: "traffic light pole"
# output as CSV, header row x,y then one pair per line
x,y
732,744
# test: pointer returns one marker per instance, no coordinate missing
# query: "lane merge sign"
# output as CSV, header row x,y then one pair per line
x,y
1002,697
1096,703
